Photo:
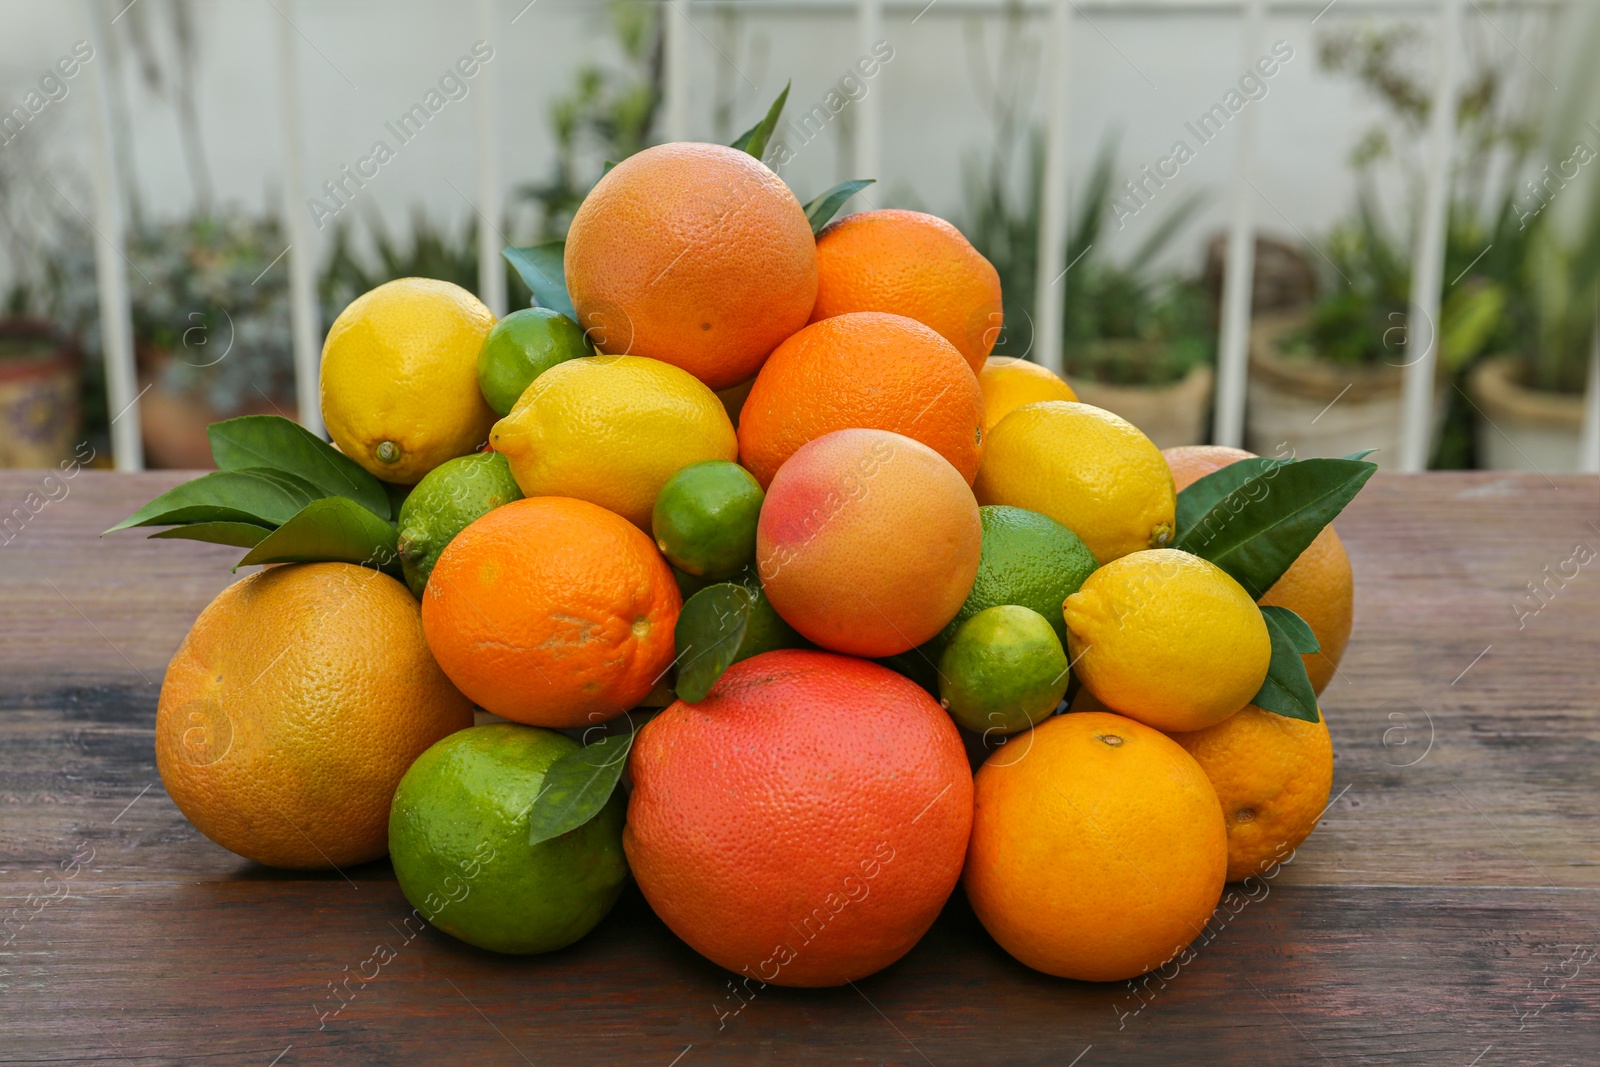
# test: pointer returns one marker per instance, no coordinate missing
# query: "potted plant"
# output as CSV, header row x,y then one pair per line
x,y
1529,399
1529,396
210,307
1326,379
1135,341
39,365
38,393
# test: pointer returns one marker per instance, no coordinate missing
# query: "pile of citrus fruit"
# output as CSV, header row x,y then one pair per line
x,y
747,553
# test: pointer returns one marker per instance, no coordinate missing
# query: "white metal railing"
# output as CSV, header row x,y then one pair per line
x,y
679,29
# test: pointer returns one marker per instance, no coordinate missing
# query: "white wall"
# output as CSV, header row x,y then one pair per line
x,y
1136,67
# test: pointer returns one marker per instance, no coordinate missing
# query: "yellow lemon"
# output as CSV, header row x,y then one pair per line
x,y
1090,470
1167,638
400,377
1272,775
1009,382
611,430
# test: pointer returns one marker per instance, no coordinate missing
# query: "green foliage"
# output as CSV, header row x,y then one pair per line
x,y
1254,518
820,212
427,250
754,140
608,115
283,493
1287,689
1124,322
577,786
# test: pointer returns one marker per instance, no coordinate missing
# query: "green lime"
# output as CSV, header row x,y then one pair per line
x,y
458,837
522,346
1027,559
705,518
1003,671
444,503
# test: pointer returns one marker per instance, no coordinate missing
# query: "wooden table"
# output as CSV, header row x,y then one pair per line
x,y
1447,911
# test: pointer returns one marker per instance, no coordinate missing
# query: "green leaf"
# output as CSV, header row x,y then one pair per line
x,y
1295,628
1287,689
1205,494
754,140
1363,454
822,210
607,168
237,534
333,529
276,443
543,268
222,496
1265,519
290,483
577,786
710,629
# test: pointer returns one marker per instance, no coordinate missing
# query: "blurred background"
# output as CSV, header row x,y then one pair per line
x,y
188,125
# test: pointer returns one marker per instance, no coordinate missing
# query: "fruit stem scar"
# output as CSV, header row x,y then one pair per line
x,y
1110,739
1160,534
388,452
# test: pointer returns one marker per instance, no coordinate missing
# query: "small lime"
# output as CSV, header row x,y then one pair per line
x,y
1003,671
522,346
458,837
705,518
1027,559
444,503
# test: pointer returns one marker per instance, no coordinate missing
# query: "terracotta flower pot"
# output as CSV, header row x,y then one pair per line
x,y
1519,428
1171,414
39,383
173,422
1308,407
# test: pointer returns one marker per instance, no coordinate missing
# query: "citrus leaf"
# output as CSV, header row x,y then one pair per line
x,y
822,210
1287,689
754,140
710,629
292,484
1295,628
577,786
237,534
543,268
1363,454
1204,494
1261,525
333,529
607,168
222,496
275,443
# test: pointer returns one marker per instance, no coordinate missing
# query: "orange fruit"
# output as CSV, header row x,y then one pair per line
x,y
693,254
552,611
805,822
913,264
867,370
1272,775
868,542
1319,586
1008,383
292,710
1098,848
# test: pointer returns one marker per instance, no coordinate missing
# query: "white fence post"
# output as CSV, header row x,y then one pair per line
x,y
1427,260
1050,282
491,270
869,116
304,318
675,49
1239,271
110,264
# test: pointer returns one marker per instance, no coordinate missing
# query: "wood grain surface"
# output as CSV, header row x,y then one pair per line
x,y
1446,911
